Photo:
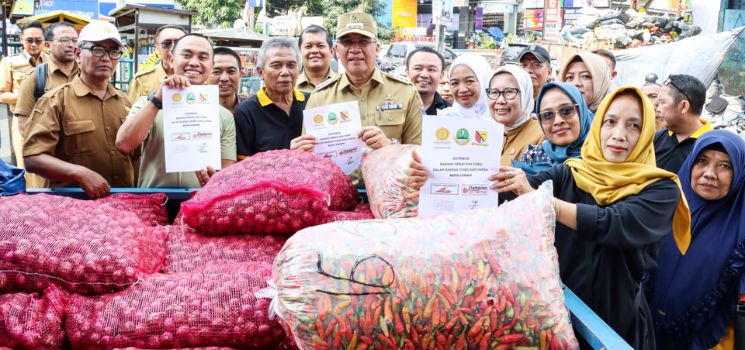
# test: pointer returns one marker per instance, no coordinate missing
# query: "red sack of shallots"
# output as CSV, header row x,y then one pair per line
x,y
271,192
83,246
212,307
150,208
190,251
28,321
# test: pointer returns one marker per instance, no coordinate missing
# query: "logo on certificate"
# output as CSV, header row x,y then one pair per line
x,y
462,136
176,98
332,118
203,97
181,136
471,190
442,134
479,136
344,116
191,98
318,119
444,189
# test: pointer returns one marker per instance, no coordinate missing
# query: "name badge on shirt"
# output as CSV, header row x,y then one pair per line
x,y
388,106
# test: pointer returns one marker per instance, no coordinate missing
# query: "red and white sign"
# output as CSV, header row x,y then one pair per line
x,y
553,20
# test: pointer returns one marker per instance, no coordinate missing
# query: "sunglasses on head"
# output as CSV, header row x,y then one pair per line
x,y
563,111
670,82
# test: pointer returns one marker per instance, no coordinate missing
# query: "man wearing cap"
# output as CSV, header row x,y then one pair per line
x,y
537,62
390,106
72,129
148,81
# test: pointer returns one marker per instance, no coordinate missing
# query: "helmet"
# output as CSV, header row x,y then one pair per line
x,y
651,78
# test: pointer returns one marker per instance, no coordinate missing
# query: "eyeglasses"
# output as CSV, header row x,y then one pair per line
x,y
99,51
508,93
36,41
670,82
533,65
168,43
357,43
67,41
565,112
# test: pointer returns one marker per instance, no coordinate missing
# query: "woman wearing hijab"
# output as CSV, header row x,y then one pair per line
x,y
565,131
694,295
610,207
469,75
510,95
589,73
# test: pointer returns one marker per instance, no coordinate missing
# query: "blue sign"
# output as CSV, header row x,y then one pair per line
x,y
733,19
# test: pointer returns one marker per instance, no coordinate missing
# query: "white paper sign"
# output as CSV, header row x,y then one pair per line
x,y
191,128
460,155
335,127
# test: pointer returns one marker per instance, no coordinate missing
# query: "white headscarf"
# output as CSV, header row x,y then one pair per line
x,y
482,70
526,93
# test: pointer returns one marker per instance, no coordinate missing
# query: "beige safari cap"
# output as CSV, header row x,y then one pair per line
x,y
357,22
97,31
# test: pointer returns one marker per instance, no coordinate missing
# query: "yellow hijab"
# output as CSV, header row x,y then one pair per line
x,y
609,182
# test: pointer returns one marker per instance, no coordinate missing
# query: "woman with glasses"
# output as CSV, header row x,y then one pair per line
x,y
613,206
469,75
694,296
589,73
510,95
565,120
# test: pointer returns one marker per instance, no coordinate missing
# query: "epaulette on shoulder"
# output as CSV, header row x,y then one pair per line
x,y
399,78
327,82
146,71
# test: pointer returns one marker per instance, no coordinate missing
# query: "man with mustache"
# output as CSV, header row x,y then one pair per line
x,y
317,50
274,116
390,106
71,131
226,74
191,60
424,66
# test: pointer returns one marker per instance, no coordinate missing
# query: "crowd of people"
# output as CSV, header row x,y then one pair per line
x,y
648,198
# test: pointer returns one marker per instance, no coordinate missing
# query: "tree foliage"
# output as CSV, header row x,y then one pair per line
x,y
220,13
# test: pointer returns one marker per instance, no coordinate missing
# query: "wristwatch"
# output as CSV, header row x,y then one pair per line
x,y
155,100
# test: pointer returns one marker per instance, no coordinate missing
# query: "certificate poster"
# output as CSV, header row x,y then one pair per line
x,y
335,127
191,128
460,155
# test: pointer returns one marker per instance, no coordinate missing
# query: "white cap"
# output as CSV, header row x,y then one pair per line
x,y
98,31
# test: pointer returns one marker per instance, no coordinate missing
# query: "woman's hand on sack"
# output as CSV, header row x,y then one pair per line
x,y
303,143
417,173
373,137
510,179
204,175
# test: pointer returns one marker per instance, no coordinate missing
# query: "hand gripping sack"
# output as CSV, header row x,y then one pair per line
x,y
83,246
475,279
190,251
271,192
28,321
213,307
384,171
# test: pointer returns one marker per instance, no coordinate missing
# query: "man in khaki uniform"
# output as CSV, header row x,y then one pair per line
x,y
148,81
317,50
14,70
390,106
72,130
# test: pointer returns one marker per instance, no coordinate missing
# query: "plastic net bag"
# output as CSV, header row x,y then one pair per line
x,y
480,279
83,246
361,212
150,208
190,251
213,307
271,192
384,171
28,321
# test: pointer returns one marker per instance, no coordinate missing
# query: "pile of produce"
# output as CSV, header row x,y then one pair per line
x,y
28,321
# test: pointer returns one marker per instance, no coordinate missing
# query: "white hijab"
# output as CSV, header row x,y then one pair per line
x,y
526,93
482,70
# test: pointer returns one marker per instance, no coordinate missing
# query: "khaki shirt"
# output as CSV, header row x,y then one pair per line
x,y
55,78
389,102
72,124
15,69
304,85
516,141
146,82
153,161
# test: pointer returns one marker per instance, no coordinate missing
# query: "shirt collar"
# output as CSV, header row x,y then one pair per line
x,y
303,78
81,89
264,99
704,128
53,67
30,59
376,76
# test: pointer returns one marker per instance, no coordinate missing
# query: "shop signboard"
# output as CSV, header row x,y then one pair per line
x,y
553,20
442,11
533,20
404,13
